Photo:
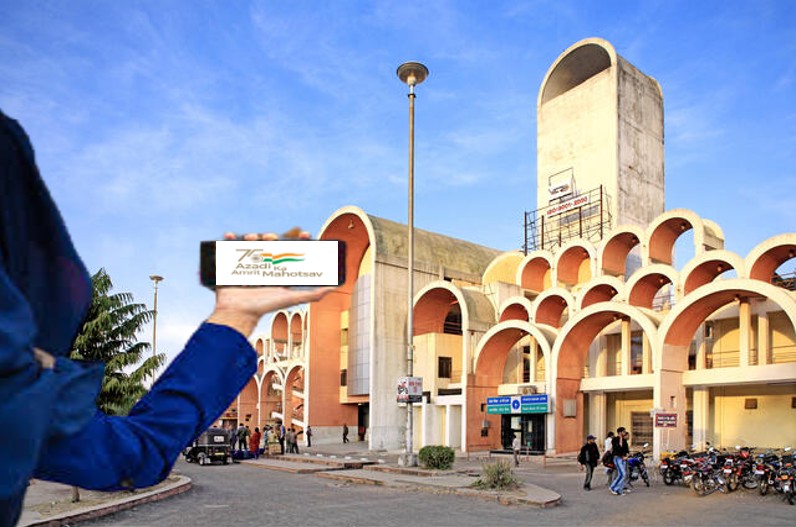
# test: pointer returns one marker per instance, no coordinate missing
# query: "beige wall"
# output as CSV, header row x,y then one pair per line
x,y
772,424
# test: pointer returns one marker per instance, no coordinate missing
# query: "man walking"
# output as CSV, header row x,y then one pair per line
x,y
309,436
345,433
620,451
588,457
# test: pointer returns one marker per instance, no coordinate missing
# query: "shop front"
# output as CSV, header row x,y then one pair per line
x,y
522,415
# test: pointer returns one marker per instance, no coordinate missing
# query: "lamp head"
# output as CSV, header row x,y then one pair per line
x,y
412,73
155,278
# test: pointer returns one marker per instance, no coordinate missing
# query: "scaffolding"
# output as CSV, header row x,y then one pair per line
x,y
585,216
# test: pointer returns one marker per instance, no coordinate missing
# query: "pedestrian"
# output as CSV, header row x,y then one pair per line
x,y
246,436
345,433
619,450
48,402
515,447
295,440
608,457
282,432
241,437
233,436
309,436
254,443
588,458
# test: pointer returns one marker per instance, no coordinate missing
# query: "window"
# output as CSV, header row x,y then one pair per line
x,y
444,367
453,321
343,377
750,404
636,353
640,428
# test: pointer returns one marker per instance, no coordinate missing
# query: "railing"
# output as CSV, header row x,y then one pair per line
x,y
787,280
586,216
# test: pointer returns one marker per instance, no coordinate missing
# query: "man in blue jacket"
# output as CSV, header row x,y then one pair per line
x,y
52,428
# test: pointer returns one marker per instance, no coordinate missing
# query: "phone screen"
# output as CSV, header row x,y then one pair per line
x,y
283,263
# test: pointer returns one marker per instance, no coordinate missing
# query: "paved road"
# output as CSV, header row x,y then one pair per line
x,y
243,495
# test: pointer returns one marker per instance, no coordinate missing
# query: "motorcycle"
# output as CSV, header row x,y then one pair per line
x,y
709,474
636,468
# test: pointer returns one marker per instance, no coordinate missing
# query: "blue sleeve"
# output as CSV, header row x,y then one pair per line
x,y
138,450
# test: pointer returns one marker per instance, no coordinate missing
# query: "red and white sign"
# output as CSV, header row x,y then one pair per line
x,y
410,390
570,204
665,420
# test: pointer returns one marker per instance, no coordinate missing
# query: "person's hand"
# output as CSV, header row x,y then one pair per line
x,y
242,307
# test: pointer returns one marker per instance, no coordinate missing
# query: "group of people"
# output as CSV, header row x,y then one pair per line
x,y
243,439
616,450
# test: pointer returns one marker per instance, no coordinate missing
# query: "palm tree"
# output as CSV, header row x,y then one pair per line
x,y
109,335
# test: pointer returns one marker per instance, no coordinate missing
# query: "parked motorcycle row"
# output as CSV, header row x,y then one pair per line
x,y
714,470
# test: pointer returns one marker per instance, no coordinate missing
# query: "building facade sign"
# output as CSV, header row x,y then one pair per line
x,y
665,420
565,206
518,404
410,390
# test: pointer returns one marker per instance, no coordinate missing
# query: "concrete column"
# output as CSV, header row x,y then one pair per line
x,y
646,354
534,356
702,350
625,351
598,414
763,338
701,410
744,330
669,395
601,364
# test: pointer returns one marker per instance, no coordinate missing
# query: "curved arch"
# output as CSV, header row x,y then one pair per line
x,y
601,289
706,267
515,308
574,66
503,268
647,281
432,304
574,263
679,326
535,271
570,353
663,232
353,226
766,257
612,253
498,340
549,307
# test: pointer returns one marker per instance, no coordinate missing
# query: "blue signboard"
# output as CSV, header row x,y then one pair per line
x,y
518,404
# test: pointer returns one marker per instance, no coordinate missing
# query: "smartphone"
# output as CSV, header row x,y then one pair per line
x,y
283,263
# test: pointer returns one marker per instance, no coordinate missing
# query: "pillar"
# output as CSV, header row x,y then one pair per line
x,y
701,410
744,330
763,338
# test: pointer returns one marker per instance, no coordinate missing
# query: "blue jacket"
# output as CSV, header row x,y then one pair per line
x,y
51,427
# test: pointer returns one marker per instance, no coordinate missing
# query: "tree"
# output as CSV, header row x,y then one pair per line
x,y
109,335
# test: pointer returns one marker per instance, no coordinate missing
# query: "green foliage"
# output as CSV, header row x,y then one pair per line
x,y
109,335
497,476
436,457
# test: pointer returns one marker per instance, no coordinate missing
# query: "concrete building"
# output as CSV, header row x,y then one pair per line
x,y
594,325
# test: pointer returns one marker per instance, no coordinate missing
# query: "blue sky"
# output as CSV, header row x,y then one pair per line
x,y
160,123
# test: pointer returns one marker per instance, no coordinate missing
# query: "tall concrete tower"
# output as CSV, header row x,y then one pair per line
x,y
600,147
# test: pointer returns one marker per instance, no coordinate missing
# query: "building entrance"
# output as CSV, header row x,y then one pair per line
x,y
529,426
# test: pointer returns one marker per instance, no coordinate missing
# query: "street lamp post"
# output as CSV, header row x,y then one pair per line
x,y
411,73
155,279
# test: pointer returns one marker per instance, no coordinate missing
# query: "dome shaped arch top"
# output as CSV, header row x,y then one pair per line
x,y
612,253
569,261
549,306
534,270
576,65
581,330
503,268
663,232
512,304
764,259
601,289
645,283
509,333
706,267
680,325
432,304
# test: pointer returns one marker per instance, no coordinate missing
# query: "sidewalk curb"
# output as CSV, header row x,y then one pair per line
x,y
182,485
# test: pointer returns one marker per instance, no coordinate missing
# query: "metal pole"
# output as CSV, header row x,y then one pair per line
x,y
411,73
155,279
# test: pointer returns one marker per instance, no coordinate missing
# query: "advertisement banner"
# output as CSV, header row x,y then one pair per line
x,y
410,390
